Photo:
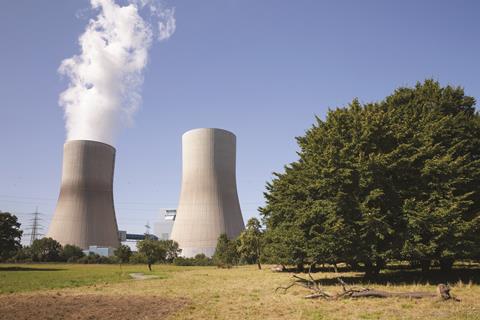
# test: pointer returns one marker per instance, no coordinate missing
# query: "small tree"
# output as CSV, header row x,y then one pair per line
x,y
153,250
123,253
71,253
46,249
10,235
250,242
226,253
171,248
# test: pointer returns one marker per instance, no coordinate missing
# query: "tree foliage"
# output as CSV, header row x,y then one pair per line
x,y
250,242
153,250
10,235
71,253
172,250
396,179
226,254
46,250
123,253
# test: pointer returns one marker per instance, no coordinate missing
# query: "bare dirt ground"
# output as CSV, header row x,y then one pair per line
x,y
57,306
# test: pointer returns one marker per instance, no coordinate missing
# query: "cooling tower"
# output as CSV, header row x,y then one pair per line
x,y
208,203
85,215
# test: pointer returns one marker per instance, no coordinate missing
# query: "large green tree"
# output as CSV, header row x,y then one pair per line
x,y
397,179
10,235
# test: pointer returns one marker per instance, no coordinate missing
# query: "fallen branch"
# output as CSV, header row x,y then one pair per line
x,y
443,291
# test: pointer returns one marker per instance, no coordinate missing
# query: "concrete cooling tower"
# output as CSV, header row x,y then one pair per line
x,y
85,215
208,203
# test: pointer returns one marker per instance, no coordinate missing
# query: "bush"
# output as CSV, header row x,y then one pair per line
x,y
93,258
71,253
198,260
24,254
89,259
138,258
73,259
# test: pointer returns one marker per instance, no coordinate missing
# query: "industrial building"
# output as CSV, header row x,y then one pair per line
x,y
163,228
208,204
85,214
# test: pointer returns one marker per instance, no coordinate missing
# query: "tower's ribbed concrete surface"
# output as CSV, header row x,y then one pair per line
x,y
208,203
85,214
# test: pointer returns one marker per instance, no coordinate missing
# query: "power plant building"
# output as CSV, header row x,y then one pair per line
x,y
85,214
208,204
163,228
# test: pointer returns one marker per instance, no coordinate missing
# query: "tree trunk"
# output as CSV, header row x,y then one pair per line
x,y
258,264
446,265
379,265
149,266
425,264
370,269
300,267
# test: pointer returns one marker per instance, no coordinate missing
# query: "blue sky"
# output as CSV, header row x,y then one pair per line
x,y
261,69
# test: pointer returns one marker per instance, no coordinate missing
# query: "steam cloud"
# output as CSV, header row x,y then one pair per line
x,y
105,78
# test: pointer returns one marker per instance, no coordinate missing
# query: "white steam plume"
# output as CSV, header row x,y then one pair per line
x,y
105,78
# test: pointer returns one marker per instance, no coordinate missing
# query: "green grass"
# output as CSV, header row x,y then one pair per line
x,y
247,293
22,278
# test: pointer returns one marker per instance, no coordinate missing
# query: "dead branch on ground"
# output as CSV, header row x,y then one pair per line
x,y
443,291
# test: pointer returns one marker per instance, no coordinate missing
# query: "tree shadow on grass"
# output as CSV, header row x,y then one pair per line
x,y
404,276
27,269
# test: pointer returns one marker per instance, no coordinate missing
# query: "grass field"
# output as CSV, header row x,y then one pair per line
x,y
211,293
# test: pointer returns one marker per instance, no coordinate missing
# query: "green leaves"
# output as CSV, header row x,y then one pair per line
x,y
226,254
397,179
10,235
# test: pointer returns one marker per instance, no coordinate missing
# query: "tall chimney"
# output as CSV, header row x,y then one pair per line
x,y
208,203
85,214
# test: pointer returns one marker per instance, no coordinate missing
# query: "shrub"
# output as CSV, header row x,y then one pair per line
x,y
71,253
138,258
198,260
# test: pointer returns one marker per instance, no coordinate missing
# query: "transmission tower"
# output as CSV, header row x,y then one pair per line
x,y
147,230
35,226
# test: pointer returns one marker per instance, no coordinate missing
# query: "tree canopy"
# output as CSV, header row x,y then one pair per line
x,y
395,179
123,253
10,235
250,242
46,250
226,254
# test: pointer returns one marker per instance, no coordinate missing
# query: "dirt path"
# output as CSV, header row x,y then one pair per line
x,y
141,276
88,306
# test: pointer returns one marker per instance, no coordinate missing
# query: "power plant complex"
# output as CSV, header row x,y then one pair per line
x,y
208,205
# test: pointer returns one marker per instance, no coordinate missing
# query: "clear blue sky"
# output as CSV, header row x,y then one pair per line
x,y
262,69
